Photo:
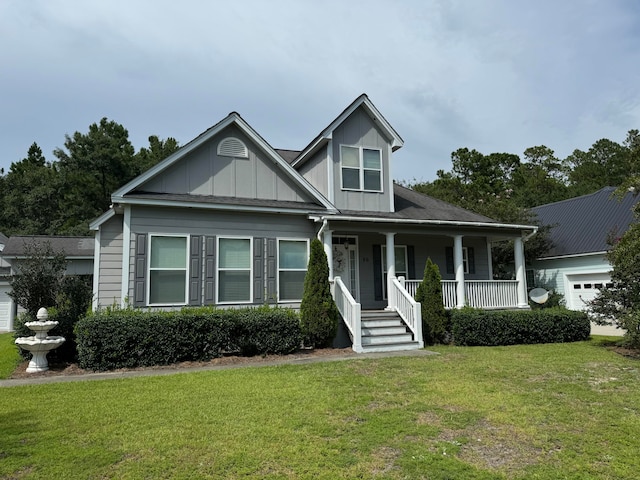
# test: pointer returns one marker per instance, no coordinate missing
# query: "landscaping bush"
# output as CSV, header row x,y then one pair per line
x,y
429,294
131,338
514,327
319,315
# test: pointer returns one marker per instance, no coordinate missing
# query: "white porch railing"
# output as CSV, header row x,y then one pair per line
x,y
478,293
350,311
491,293
407,308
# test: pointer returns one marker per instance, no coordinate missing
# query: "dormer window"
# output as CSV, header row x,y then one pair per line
x,y
361,168
233,147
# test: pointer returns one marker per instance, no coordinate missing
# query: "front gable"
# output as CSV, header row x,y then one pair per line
x,y
213,169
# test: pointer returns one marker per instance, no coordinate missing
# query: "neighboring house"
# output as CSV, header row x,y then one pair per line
x,y
576,266
6,304
77,250
227,220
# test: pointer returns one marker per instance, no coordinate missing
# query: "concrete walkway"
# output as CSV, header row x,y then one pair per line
x,y
607,330
148,372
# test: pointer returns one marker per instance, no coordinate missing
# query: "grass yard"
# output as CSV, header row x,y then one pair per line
x,y
9,356
540,411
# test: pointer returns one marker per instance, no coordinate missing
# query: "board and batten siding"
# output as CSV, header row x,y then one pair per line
x,y
204,172
110,258
359,130
207,224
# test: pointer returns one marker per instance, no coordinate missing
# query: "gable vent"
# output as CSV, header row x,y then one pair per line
x,y
232,147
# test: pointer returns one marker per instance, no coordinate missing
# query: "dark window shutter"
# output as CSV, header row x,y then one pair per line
x,y
471,259
140,270
377,272
195,270
411,260
448,257
209,270
258,270
272,270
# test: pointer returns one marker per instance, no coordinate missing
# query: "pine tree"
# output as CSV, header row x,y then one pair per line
x,y
429,294
318,312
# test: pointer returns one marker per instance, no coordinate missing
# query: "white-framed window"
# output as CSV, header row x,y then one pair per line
x,y
361,168
293,257
235,273
168,269
401,265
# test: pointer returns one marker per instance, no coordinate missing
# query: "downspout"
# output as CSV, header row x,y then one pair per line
x,y
324,225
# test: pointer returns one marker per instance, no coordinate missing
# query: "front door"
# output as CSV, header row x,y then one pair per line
x,y
345,263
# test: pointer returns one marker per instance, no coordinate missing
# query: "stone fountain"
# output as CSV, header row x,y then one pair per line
x,y
40,344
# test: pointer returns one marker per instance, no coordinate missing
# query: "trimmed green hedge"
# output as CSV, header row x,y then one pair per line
x,y
514,327
131,338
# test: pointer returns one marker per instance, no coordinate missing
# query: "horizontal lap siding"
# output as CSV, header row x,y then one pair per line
x,y
109,285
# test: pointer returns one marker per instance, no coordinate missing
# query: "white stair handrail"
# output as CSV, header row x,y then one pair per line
x,y
408,309
350,311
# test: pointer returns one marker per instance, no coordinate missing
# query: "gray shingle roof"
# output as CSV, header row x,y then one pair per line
x,y
412,205
583,224
71,246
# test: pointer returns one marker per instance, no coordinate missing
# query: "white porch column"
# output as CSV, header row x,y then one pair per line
x,y
489,260
520,273
327,240
458,268
391,269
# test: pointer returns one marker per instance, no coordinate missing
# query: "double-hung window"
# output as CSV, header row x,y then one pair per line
x,y
293,257
234,270
168,270
361,168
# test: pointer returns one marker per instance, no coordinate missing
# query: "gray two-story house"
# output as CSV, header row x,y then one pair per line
x,y
227,220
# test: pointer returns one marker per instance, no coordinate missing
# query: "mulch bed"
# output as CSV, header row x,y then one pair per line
x,y
58,369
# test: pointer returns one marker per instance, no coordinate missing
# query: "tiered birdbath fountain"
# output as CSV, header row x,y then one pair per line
x,y
40,344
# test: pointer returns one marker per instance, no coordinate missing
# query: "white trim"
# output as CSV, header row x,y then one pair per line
x,y
94,225
251,273
361,169
558,257
96,271
126,256
348,218
210,206
392,206
278,269
187,238
330,172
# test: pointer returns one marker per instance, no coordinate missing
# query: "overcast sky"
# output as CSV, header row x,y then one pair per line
x,y
494,75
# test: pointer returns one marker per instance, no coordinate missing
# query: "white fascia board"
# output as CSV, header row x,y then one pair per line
x,y
574,255
210,206
345,218
327,133
95,225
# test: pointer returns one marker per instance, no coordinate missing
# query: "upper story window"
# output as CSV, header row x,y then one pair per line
x,y
232,147
361,168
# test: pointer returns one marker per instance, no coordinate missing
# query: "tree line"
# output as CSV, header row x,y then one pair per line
x,y
61,197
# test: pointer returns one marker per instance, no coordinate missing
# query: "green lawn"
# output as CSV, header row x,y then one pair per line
x,y
543,412
9,356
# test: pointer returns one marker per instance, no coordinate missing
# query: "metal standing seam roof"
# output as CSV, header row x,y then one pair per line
x,y
584,224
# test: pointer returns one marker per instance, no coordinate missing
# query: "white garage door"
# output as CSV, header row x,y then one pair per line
x,y
584,288
5,309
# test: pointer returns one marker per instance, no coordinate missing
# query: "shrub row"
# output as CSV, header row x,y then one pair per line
x,y
513,327
131,338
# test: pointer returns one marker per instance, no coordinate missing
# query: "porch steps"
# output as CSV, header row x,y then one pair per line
x,y
384,331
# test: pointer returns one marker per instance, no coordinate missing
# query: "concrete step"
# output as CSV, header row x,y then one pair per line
x,y
384,330
386,339
390,348
392,322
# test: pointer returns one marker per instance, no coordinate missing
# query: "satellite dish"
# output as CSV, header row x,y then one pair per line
x,y
539,295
